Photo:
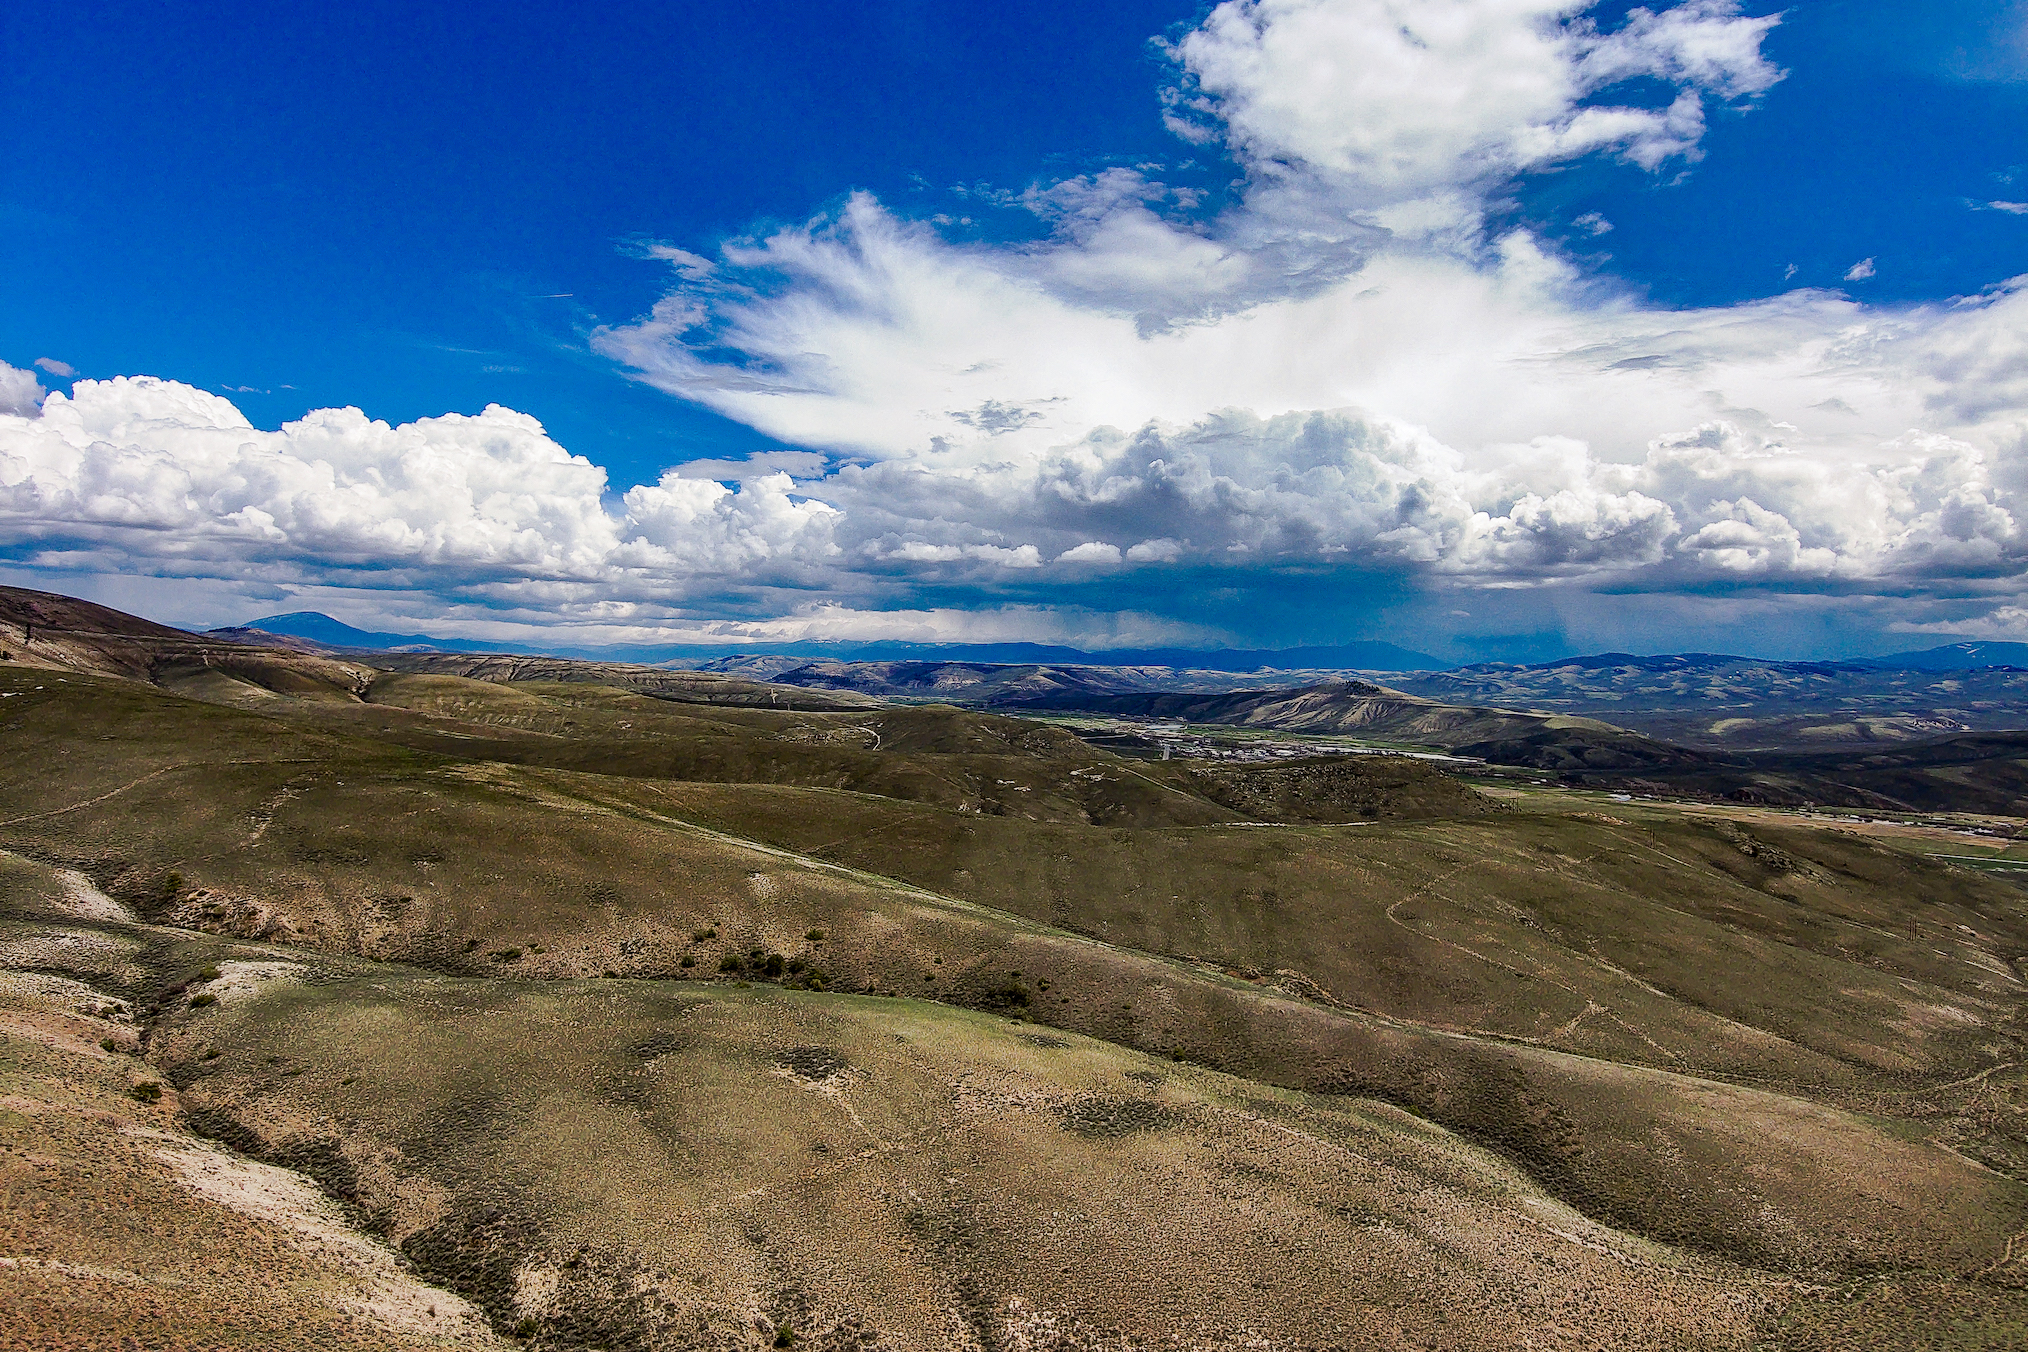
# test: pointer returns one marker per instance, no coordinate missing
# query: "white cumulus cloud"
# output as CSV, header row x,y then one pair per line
x,y
1344,367
21,394
1345,373
156,474
1395,100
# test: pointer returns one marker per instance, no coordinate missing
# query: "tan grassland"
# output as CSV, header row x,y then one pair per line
x,y
610,1009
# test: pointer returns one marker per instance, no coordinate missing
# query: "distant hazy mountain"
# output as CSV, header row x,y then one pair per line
x,y
1958,657
982,683
1714,700
1364,656
321,628
1372,655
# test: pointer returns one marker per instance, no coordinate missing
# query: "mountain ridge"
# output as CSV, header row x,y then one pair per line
x,y
1370,654
1360,655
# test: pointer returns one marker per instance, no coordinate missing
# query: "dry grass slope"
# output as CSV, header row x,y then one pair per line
x,y
631,1017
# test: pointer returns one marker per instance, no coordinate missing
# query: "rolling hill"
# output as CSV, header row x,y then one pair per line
x,y
538,1004
1716,702
1360,708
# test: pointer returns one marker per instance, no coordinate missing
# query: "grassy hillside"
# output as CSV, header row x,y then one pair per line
x,y
651,1164
625,1017
1973,772
1505,736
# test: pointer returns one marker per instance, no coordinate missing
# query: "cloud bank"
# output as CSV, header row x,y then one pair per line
x,y
1345,373
151,474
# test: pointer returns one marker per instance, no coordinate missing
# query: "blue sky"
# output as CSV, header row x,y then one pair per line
x,y
387,206
418,210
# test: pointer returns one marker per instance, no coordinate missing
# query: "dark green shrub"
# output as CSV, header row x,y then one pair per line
x,y
211,1055
774,966
505,955
108,1044
209,972
797,965
147,1092
815,936
699,936
1010,995
200,1001
688,961
730,963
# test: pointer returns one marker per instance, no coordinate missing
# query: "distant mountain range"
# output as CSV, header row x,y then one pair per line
x,y
1363,656
1952,657
1368,655
1959,657
1731,727
1833,733
320,628
1717,701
